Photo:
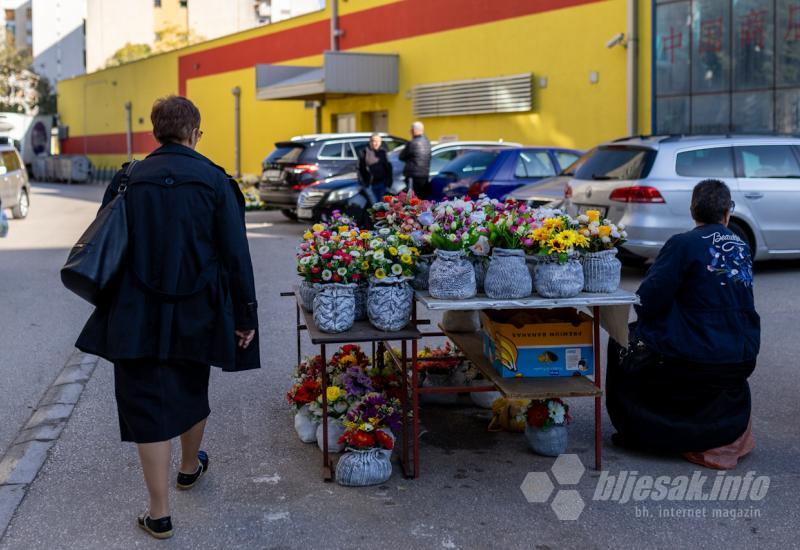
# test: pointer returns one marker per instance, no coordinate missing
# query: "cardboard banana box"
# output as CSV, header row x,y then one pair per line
x,y
538,343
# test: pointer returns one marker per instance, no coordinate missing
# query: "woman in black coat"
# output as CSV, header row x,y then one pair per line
x,y
681,386
185,301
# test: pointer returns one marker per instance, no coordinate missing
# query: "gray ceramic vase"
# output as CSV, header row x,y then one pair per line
x,y
335,431
452,276
601,271
549,442
533,261
556,280
480,267
420,281
334,307
508,277
389,303
307,292
364,468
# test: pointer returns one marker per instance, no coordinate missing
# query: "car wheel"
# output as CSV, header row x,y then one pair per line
x,y
290,214
740,230
20,211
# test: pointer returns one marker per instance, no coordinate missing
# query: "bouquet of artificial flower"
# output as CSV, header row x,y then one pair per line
x,y
390,255
602,234
367,422
441,360
557,237
457,225
303,393
546,413
338,403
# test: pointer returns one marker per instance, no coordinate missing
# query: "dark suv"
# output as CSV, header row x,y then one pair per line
x,y
305,160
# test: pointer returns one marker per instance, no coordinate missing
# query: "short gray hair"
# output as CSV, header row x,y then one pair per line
x,y
417,126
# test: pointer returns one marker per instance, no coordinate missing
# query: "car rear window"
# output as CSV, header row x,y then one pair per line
x,y
285,153
617,163
470,164
713,162
11,161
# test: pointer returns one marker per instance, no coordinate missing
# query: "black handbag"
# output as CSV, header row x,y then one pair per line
x,y
98,256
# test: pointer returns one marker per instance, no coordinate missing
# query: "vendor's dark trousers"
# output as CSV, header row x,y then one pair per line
x,y
420,185
375,192
673,405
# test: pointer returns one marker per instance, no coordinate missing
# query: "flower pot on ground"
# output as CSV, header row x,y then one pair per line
x,y
546,427
452,276
307,292
440,367
508,277
601,271
335,431
357,468
389,302
360,295
547,442
335,307
305,425
559,280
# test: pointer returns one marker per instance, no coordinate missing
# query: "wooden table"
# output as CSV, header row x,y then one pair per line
x,y
516,388
361,332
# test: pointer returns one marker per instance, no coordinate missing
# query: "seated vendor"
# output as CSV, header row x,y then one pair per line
x,y
681,385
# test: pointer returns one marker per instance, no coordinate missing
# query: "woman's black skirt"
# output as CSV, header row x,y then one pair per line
x,y
158,401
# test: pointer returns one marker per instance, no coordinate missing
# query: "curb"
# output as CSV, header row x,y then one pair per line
x,y
28,452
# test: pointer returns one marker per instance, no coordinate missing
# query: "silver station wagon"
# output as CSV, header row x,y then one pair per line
x,y
646,183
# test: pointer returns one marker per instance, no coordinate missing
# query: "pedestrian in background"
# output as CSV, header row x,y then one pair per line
x,y
374,169
417,157
185,301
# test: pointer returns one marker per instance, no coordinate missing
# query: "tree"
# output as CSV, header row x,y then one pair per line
x,y
20,86
129,52
167,39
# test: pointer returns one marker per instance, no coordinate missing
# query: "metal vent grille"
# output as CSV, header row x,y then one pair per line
x,y
504,94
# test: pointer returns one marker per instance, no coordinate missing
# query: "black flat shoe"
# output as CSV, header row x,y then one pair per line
x,y
160,528
187,481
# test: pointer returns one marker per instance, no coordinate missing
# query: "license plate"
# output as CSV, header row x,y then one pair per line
x,y
602,209
273,174
304,213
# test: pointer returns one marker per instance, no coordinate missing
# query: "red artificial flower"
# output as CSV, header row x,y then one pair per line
x,y
538,415
315,270
383,439
363,440
356,276
336,278
348,348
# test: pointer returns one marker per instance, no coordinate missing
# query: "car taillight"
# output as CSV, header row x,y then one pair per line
x,y
305,168
637,193
476,189
301,186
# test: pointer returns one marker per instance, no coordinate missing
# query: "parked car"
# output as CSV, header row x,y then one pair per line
x,y
304,160
497,172
15,189
549,191
346,194
647,182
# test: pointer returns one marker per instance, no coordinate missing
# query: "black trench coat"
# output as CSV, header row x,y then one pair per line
x,y
188,280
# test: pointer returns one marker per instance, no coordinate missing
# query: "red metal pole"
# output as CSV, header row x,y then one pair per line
x,y
327,472
404,378
598,401
415,394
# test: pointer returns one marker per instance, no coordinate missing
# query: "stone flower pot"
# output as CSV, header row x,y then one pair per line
x,y
360,295
364,468
479,264
452,276
307,292
334,307
420,281
556,280
305,425
601,271
389,303
335,431
508,277
548,442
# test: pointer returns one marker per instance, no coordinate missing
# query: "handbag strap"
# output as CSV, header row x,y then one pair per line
x,y
125,179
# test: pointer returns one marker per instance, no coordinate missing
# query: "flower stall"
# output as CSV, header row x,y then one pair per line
x,y
454,256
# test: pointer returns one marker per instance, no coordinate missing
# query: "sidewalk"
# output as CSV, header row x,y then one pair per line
x,y
264,488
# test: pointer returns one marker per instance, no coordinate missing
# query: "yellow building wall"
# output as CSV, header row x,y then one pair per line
x,y
563,46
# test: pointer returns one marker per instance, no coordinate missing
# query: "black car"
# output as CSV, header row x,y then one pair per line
x,y
306,160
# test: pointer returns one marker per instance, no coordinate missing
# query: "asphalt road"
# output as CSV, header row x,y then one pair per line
x,y
40,319
264,489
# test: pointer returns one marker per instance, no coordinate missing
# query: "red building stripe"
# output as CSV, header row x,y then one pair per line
x,y
108,144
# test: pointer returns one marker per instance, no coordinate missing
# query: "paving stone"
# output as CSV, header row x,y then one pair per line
x,y
49,413
42,432
73,373
63,394
22,462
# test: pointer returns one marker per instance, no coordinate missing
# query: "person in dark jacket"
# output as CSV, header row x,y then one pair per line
x,y
185,301
417,158
374,169
681,386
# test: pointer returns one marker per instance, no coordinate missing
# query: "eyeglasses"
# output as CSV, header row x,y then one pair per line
x,y
733,207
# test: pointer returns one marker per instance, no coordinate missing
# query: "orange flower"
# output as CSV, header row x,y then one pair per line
x,y
604,231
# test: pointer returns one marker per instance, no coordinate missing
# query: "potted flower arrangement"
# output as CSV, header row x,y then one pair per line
x,y
300,396
439,368
390,260
546,429
601,268
340,263
369,440
453,232
507,276
338,405
561,275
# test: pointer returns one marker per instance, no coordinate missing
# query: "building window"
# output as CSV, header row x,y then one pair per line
x,y
184,3
157,3
727,65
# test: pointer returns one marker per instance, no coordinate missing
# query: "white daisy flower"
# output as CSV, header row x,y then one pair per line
x,y
397,269
342,271
326,275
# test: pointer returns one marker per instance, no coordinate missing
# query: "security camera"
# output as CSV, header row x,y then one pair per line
x,y
617,40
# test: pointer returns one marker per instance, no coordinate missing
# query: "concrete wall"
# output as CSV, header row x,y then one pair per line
x,y
58,39
110,24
